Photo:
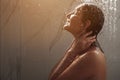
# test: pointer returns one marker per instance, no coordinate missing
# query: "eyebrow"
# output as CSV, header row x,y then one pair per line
x,y
76,11
71,12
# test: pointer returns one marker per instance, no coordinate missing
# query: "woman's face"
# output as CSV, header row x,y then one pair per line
x,y
74,22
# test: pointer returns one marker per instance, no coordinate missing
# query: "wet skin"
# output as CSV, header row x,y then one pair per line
x,y
78,65
87,66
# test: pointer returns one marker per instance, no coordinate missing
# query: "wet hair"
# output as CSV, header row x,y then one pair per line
x,y
90,12
95,15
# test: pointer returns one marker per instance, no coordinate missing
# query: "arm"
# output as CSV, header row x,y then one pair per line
x,y
82,68
62,65
78,46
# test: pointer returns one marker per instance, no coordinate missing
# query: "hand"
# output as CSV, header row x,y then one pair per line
x,y
82,42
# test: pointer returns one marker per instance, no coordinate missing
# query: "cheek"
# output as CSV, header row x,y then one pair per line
x,y
74,22
80,28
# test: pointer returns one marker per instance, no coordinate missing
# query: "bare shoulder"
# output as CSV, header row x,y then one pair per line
x,y
97,62
96,55
93,59
86,67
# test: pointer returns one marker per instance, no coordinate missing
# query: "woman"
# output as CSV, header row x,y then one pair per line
x,y
84,60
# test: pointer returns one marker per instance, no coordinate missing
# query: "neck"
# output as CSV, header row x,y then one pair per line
x,y
76,36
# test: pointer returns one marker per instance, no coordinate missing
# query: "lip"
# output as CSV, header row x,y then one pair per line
x,y
68,20
67,24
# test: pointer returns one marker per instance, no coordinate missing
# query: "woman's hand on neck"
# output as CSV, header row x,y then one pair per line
x,y
82,42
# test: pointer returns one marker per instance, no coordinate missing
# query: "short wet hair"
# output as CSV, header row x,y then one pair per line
x,y
95,15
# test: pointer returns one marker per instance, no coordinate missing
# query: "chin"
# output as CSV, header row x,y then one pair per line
x,y
66,27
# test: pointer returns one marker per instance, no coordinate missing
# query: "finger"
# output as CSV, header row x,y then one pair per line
x,y
93,40
87,34
82,33
90,42
93,37
90,39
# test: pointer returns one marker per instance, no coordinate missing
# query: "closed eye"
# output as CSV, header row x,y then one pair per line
x,y
73,12
69,14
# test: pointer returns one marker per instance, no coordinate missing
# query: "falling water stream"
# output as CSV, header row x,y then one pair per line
x,y
109,9
9,8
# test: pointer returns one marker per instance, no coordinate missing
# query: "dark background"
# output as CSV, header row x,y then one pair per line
x,y
29,28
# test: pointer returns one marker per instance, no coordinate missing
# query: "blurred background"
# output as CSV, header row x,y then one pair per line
x,y
32,40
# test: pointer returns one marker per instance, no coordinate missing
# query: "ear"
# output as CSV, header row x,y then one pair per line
x,y
87,23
